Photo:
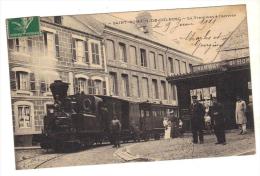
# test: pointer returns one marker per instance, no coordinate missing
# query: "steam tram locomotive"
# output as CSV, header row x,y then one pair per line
x,y
83,120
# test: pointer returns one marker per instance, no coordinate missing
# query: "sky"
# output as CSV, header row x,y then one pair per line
x,y
197,31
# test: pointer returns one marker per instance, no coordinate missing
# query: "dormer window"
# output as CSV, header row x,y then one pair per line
x,y
58,20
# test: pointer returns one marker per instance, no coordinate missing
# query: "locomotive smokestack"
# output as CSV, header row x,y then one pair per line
x,y
59,89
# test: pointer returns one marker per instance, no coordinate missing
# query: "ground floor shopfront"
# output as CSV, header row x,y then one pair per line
x,y
224,80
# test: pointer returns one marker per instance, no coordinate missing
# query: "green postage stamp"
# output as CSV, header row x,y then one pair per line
x,y
25,26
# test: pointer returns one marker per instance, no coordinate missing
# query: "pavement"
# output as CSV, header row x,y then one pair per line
x,y
183,148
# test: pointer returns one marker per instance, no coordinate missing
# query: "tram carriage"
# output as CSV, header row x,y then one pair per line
x,y
82,120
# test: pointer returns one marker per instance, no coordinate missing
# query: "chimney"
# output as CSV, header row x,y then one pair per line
x,y
59,89
143,22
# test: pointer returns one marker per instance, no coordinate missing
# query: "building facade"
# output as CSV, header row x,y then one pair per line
x,y
139,60
66,50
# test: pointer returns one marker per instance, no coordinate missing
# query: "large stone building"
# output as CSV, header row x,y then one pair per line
x,y
66,50
139,59
126,61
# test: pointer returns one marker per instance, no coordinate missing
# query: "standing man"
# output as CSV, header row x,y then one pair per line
x,y
250,113
218,120
115,131
197,120
241,115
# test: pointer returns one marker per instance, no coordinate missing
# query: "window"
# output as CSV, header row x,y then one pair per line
x,y
163,88
155,93
58,19
91,87
125,85
110,50
145,87
122,52
183,67
161,62
95,53
82,85
113,83
133,55
21,79
80,51
49,43
98,87
18,45
135,86
143,58
152,60
177,66
171,65
24,116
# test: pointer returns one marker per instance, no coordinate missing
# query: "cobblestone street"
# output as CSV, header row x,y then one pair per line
x,y
169,149
183,148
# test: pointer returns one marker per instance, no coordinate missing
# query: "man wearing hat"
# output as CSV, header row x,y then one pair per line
x,y
218,120
197,121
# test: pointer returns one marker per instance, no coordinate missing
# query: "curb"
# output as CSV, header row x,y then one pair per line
x,y
27,148
250,152
124,154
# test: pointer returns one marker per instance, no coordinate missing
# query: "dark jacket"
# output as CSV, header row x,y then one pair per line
x,y
197,116
216,112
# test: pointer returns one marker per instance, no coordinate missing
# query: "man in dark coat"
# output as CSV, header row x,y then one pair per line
x,y
115,131
197,120
218,121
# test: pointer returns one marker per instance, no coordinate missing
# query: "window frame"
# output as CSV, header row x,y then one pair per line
x,y
143,57
29,130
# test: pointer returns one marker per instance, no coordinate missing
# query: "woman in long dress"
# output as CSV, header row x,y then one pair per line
x,y
241,119
167,126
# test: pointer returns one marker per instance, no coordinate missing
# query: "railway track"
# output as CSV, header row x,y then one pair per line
x,y
37,161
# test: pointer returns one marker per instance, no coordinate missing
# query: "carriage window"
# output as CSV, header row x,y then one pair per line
x,y
147,113
142,113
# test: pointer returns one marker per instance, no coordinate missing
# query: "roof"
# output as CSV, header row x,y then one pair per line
x,y
73,23
236,45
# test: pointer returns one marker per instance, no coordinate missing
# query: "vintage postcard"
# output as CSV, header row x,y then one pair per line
x,y
131,86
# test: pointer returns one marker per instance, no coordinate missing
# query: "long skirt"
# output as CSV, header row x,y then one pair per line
x,y
167,134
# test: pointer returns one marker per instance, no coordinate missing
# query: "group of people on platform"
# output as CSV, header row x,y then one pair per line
x,y
214,117
209,118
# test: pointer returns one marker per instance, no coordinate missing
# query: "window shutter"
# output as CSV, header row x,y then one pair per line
x,y
57,47
32,82
29,43
104,88
97,54
13,80
11,44
45,38
43,86
74,50
17,45
76,86
93,53
86,51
